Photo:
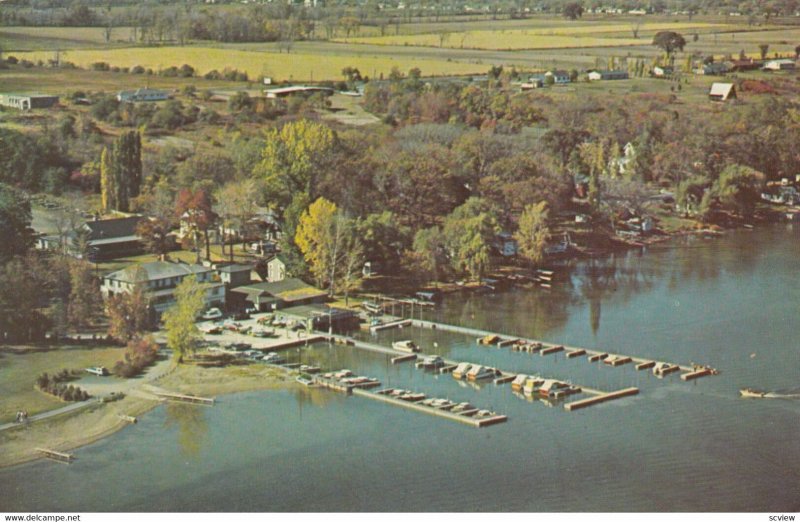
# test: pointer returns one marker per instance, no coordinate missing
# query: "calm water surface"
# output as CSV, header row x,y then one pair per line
x,y
731,303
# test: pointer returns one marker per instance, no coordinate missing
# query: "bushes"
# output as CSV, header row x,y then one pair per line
x,y
139,354
54,385
100,66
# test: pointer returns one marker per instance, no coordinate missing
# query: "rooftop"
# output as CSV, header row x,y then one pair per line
x,y
288,290
113,228
156,270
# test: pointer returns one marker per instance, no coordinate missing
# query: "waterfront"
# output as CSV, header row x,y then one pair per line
x,y
731,303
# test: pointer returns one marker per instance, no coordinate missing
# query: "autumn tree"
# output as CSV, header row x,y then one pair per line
x,y
763,49
121,172
179,321
195,208
235,204
533,232
292,158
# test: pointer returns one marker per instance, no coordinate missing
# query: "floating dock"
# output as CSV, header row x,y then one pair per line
x,y
531,345
183,398
463,417
404,358
56,455
597,399
387,326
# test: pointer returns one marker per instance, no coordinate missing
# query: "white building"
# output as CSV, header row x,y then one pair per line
x,y
142,95
779,65
159,280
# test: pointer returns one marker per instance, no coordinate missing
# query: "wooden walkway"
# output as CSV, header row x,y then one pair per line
x,y
690,372
469,418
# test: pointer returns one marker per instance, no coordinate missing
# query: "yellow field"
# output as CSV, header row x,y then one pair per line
x,y
278,66
537,38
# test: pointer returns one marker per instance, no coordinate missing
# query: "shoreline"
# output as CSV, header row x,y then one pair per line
x,y
69,432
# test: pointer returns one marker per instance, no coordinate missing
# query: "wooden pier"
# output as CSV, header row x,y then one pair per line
x,y
458,417
387,326
170,396
530,345
404,358
551,349
56,455
597,399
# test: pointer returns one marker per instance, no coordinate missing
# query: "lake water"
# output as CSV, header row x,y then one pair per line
x,y
731,303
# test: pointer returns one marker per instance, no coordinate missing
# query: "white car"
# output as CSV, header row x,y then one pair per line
x,y
212,313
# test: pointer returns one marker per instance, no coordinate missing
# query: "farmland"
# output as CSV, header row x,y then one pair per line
x,y
280,66
558,37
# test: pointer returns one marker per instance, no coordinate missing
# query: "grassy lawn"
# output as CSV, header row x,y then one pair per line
x,y
18,371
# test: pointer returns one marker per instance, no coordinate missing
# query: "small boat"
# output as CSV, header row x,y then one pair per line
x,y
661,369
489,340
478,372
519,382
616,360
442,404
412,397
483,414
462,407
405,346
430,362
305,380
309,369
749,393
461,370
272,358
553,389
341,374
101,371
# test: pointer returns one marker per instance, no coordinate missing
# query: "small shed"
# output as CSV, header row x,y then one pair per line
x,y
722,92
608,75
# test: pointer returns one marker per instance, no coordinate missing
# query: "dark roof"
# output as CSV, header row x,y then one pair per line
x,y
288,290
113,228
234,268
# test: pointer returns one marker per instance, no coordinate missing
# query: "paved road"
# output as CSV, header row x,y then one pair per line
x,y
52,413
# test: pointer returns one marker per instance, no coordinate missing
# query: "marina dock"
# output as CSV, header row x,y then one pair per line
x,y
690,372
597,399
466,417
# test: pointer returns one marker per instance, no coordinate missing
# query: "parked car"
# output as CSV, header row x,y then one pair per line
x,y
212,314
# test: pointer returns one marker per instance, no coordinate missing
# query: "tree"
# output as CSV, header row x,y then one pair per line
x,y
121,172
16,235
533,232
429,253
573,10
179,321
318,236
764,49
739,187
292,158
196,209
129,312
84,296
155,236
25,286
797,52
669,42
469,232
235,205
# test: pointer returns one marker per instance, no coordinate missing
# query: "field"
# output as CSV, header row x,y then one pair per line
x,y
559,37
278,66
53,38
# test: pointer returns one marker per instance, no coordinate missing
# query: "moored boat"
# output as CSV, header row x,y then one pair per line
x,y
405,346
749,393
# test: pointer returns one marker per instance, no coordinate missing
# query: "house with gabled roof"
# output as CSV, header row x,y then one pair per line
x,y
159,279
106,239
722,92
